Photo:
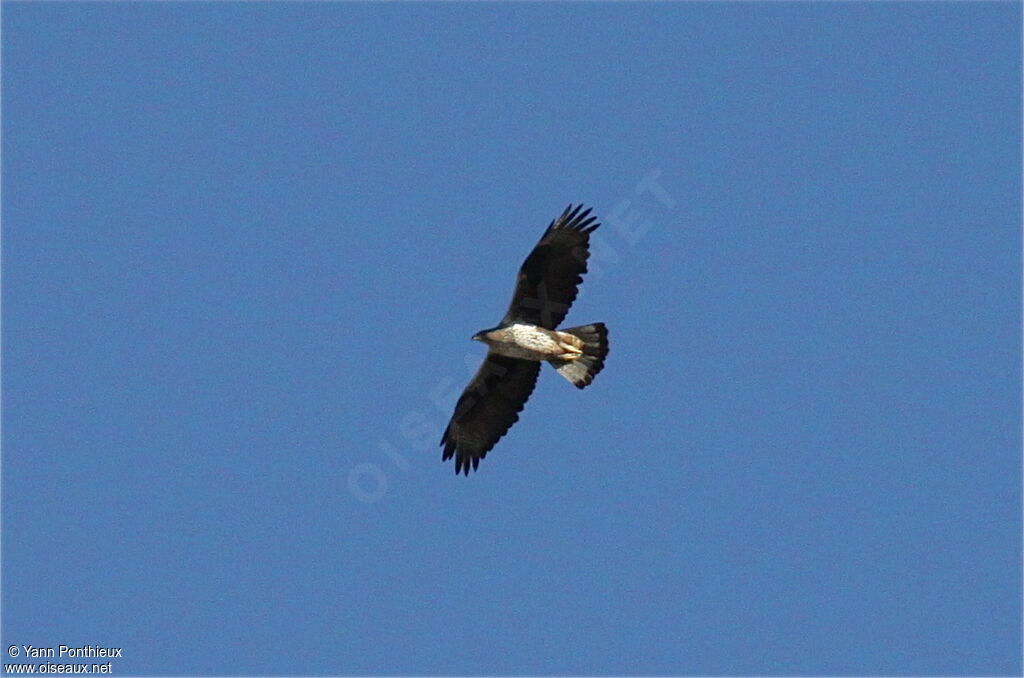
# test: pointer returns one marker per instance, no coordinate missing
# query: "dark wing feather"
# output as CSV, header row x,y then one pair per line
x,y
550,276
487,409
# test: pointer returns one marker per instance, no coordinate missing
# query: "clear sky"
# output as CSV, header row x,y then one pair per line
x,y
245,247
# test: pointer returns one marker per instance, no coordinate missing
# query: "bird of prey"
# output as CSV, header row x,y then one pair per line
x,y
525,337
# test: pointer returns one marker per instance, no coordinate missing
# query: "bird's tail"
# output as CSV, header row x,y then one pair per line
x,y
582,370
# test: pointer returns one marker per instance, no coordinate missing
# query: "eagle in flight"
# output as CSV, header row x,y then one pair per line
x,y
526,336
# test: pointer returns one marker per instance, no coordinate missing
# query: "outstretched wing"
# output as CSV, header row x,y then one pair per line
x,y
487,409
549,278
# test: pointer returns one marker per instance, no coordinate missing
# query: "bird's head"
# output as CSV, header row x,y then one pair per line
x,y
482,335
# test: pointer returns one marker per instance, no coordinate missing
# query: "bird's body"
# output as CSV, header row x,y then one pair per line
x,y
530,342
545,289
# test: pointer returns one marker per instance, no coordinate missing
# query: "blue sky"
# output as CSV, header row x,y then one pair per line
x,y
245,246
